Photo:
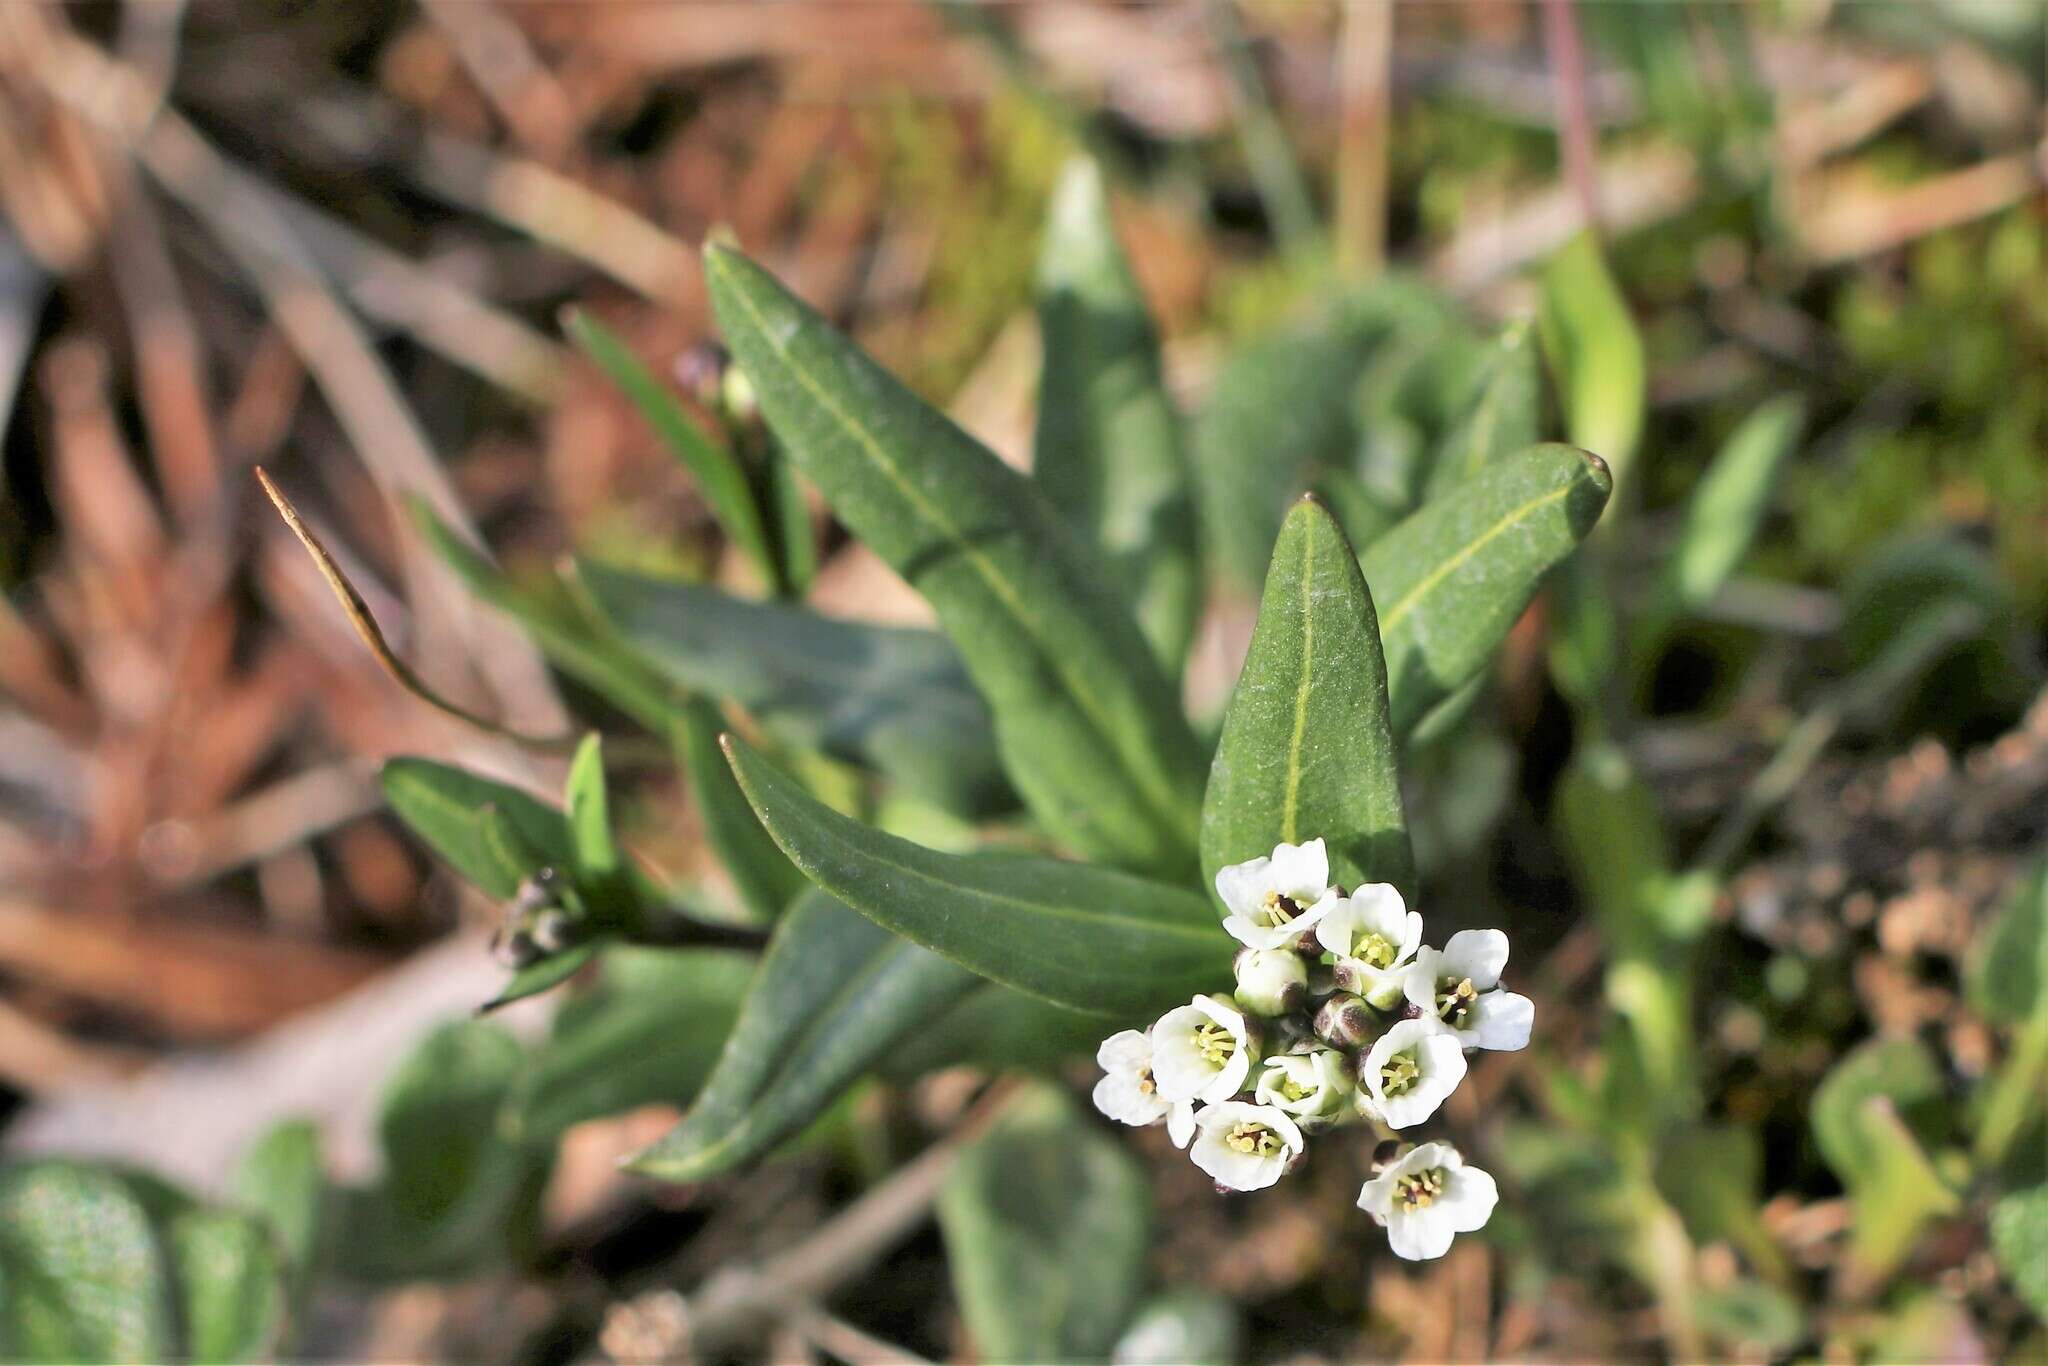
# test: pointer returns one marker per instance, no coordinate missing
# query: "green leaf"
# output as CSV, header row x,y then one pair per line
x,y
2019,1235
1452,578
545,974
1409,395
446,807
648,1031
1089,728
995,1027
1505,416
2009,961
1076,935
766,881
833,996
893,699
281,1178
572,640
230,1284
81,1274
457,1186
795,543
1615,840
1873,1116
1722,518
720,477
440,1117
1713,1177
1595,352
1191,1327
1756,1319
1306,752
1107,451
600,867
1279,410
1046,1223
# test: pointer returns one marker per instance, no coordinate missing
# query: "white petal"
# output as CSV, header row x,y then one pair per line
x,y
1300,871
1232,1078
1376,1197
1117,1096
1180,1123
1243,886
1418,1237
1229,1167
1499,1019
1477,954
1178,1067
1439,1063
1257,936
1424,1156
1129,1051
1468,1199
1382,911
1419,983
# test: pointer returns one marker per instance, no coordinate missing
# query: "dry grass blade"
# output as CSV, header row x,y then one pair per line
x,y
372,636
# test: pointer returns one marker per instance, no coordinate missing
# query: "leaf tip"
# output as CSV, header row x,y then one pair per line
x,y
1602,476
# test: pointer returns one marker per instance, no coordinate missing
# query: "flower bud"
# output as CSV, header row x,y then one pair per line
x,y
1270,981
1345,1021
700,372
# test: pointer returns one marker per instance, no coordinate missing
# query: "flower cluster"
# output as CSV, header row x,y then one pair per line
x,y
1341,1016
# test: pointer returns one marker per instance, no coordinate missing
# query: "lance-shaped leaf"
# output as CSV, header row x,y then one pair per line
x,y
600,867
447,808
1595,351
282,1178
833,995
1505,415
766,881
1046,1220
1306,751
82,1276
2019,1235
648,1031
1451,578
567,633
1107,451
1279,409
889,698
1076,935
231,1284
1089,728
720,477
1725,511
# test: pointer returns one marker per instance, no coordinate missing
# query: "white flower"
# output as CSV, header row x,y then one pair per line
x,y
1457,986
1180,1123
1426,1198
1374,935
1269,981
1244,1147
1275,901
1410,1070
1127,1092
1201,1051
1312,1087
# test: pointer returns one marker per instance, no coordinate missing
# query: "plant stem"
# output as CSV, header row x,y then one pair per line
x,y
1281,185
1574,109
1364,61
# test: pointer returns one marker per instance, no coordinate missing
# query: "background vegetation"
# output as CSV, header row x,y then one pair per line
x,y
1756,784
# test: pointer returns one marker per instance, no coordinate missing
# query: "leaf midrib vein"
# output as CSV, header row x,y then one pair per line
x,y
1407,601
1005,593
1291,803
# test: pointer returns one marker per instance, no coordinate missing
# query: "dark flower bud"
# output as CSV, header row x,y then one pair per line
x,y
1345,1021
